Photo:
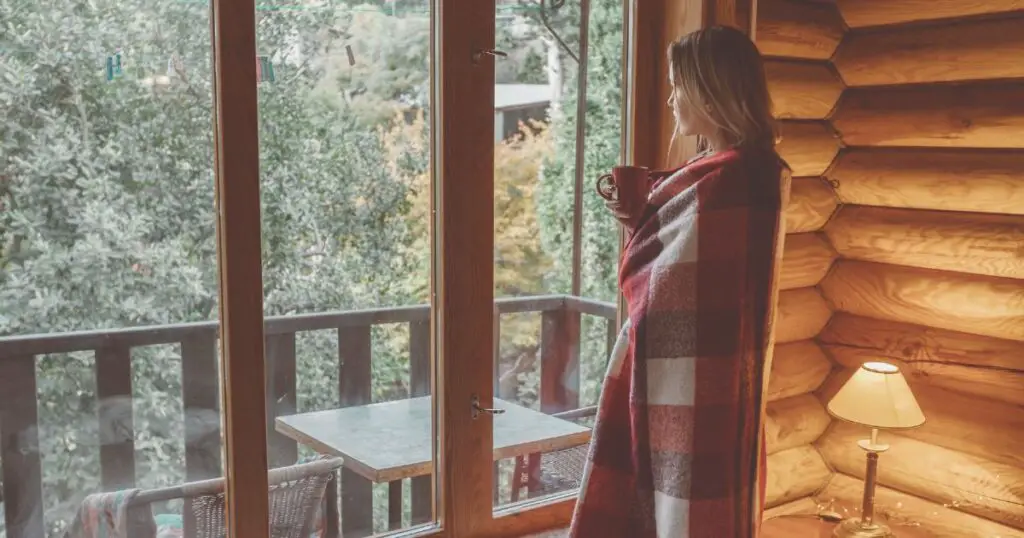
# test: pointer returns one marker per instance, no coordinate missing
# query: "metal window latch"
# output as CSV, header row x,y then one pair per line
x,y
477,409
478,55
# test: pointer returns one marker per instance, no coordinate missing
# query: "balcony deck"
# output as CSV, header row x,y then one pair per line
x,y
21,471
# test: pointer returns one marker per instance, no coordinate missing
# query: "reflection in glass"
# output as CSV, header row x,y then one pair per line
x,y
551,344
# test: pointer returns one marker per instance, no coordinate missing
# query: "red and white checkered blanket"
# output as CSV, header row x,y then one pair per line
x,y
678,444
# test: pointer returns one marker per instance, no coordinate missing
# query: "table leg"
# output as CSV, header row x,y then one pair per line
x,y
356,505
533,482
517,477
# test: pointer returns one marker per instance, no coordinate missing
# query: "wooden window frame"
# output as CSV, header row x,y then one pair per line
x,y
462,238
239,262
647,136
463,276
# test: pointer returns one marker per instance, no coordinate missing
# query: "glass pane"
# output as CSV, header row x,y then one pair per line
x,y
345,185
108,268
552,346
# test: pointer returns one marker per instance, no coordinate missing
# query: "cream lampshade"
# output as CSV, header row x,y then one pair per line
x,y
876,396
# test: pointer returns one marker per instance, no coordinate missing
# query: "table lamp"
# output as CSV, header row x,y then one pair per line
x,y
877,396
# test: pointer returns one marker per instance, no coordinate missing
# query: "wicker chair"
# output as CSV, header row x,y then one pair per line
x,y
548,473
552,472
296,495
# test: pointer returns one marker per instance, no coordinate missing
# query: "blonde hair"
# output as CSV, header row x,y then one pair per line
x,y
718,73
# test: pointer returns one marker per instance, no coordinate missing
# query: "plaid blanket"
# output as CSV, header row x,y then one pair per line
x,y
678,448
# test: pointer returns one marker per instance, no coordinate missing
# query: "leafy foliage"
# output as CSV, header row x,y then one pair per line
x,y
107,212
602,150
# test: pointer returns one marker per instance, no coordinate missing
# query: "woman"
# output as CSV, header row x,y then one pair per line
x,y
678,444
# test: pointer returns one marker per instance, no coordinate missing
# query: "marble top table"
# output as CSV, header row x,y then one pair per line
x,y
390,441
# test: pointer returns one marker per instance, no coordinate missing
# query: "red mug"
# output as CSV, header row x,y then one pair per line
x,y
627,185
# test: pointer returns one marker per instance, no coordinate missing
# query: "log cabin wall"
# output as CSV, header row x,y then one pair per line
x,y
798,38
921,263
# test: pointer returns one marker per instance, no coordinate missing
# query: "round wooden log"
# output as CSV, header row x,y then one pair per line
x,y
803,506
985,428
910,342
806,259
797,368
965,50
798,29
965,242
802,89
795,473
801,314
864,13
975,115
833,383
905,512
977,382
969,364
811,203
807,146
967,483
981,181
976,304
794,422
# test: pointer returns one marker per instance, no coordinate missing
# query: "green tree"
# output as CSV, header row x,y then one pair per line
x,y
602,150
382,77
108,214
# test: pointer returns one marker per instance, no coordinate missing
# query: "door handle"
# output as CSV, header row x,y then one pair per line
x,y
478,55
477,408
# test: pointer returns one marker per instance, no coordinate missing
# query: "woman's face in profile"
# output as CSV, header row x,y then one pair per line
x,y
690,121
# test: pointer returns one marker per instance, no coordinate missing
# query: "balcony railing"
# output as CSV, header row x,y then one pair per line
x,y
19,439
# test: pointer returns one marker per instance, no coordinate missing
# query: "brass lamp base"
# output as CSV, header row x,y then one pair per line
x,y
855,528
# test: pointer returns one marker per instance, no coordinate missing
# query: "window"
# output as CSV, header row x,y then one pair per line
x,y
373,213
549,251
345,186
108,260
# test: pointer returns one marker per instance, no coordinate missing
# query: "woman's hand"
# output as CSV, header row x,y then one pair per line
x,y
628,205
628,216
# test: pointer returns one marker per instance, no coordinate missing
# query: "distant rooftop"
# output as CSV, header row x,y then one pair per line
x,y
511,96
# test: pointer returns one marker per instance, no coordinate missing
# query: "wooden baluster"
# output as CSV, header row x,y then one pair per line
x,y
559,373
560,360
200,394
354,352
395,505
331,513
200,387
419,385
19,447
114,410
280,400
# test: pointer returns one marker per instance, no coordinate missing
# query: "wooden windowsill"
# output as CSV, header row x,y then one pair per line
x,y
781,527
560,533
